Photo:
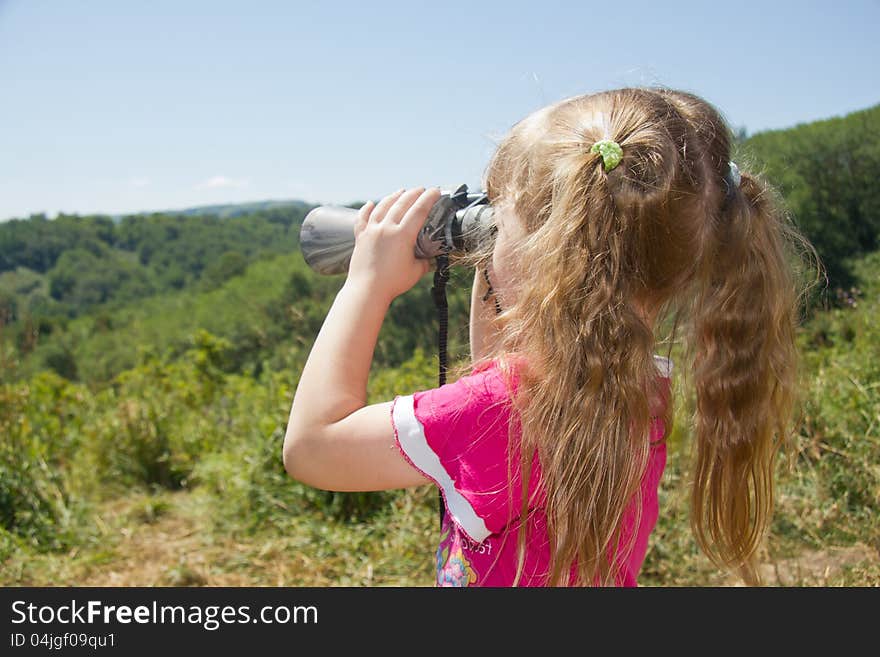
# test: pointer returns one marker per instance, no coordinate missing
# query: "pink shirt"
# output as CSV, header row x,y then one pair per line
x,y
457,436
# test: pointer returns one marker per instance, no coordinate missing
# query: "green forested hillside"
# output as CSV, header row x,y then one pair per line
x,y
148,365
827,172
70,265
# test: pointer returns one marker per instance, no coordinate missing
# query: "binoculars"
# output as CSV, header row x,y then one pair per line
x,y
459,222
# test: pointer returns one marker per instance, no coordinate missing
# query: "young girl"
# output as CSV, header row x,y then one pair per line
x,y
614,211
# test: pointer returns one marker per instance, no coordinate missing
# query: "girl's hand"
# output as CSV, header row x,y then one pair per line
x,y
385,238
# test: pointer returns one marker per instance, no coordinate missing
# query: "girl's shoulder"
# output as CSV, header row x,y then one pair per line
x,y
501,376
514,364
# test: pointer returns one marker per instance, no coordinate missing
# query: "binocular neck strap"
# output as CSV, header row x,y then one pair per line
x,y
490,292
438,292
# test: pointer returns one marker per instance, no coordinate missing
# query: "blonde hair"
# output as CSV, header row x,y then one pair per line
x,y
655,232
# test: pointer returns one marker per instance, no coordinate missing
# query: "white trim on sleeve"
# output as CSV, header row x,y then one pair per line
x,y
411,436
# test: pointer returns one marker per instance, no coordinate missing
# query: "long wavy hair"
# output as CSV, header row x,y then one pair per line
x,y
657,232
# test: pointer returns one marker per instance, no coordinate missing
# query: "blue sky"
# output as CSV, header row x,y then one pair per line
x,y
115,107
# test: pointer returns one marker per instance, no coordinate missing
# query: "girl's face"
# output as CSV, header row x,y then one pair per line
x,y
502,273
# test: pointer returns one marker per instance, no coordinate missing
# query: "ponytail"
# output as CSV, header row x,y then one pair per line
x,y
745,371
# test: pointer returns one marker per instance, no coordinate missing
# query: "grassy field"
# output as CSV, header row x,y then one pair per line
x,y
173,477
168,539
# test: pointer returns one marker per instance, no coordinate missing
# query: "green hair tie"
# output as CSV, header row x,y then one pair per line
x,y
610,151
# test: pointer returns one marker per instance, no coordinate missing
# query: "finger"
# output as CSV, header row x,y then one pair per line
x,y
417,213
403,203
380,210
363,216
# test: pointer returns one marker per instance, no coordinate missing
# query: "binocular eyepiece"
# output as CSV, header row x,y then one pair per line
x,y
459,222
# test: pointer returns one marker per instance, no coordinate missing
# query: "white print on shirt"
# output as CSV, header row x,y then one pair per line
x,y
481,548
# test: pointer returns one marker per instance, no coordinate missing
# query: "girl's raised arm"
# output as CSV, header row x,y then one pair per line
x,y
334,440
